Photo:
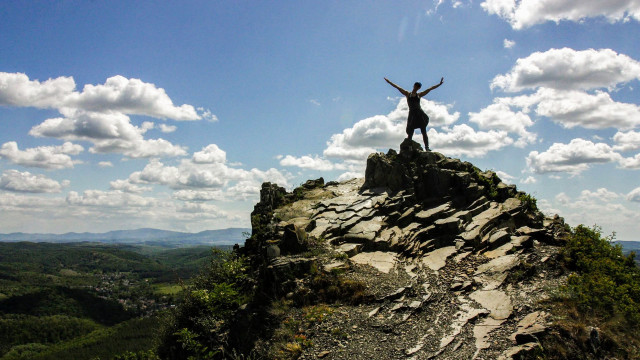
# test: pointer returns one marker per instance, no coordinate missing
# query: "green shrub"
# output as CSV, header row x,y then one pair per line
x,y
200,325
220,299
26,351
140,355
333,287
530,203
605,283
489,180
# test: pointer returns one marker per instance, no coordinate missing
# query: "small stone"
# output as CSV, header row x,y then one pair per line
x,y
456,286
374,311
394,295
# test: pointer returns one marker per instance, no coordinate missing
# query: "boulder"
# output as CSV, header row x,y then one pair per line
x,y
294,240
410,149
382,172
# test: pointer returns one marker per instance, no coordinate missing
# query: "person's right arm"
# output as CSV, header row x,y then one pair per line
x,y
402,91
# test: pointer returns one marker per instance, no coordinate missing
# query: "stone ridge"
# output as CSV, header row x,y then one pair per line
x,y
455,262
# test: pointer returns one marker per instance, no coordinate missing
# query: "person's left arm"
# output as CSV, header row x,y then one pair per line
x,y
423,93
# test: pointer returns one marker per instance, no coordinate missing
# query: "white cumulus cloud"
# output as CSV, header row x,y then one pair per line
x,y
26,182
114,199
383,131
128,187
525,13
210,154
109,133
117,94
631,162
308,162
626,141
578,108
566,69
130,96
17,90
198,195
206,176
634,195
499,116
46,157
167,128
100,113
572,158
463,140
508,44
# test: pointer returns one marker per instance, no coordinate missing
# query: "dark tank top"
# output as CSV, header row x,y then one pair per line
x,y
417,117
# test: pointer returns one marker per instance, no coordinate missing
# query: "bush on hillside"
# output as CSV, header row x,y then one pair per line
x,y
606,283
201,323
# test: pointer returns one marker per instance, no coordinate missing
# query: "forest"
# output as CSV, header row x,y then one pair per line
x,y
88,300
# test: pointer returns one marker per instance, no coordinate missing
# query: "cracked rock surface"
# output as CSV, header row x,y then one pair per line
x,y
455,262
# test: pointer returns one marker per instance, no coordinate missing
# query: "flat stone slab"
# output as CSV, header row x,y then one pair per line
x,y
365,230
492,274
496,301
498,238
461,318
350,249
499,264
530,327
380,260
499,251
437,259
431,214
336,265
482,331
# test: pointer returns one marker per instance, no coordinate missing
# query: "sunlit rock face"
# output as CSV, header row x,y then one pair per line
x,y
455,261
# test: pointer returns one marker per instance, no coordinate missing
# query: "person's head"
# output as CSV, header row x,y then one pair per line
x,y
417,86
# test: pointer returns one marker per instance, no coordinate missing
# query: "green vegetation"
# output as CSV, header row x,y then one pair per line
x,y
489,180
530,203
27,329
199,328
605,283
66,301
84,300
184,263
334,287
602,291
130,336
291,338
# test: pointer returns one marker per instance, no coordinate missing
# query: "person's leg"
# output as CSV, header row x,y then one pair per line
x,y
423,130
409,133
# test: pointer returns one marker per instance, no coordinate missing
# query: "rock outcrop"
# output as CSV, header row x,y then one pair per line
x,y
455,262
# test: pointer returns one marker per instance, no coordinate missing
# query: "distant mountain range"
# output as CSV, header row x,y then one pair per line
x,y
146,236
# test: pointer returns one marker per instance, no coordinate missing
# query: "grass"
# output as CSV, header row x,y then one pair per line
x,y
167,289
292,337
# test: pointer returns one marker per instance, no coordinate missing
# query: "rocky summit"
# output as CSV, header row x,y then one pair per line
x,y
451,262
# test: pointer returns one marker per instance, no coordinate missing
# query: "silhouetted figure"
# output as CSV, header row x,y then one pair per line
x,y
417,118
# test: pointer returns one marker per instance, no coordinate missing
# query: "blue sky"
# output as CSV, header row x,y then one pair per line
x,y
121,115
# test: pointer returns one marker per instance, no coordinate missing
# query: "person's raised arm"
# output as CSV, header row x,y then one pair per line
x,y
402,91
423,93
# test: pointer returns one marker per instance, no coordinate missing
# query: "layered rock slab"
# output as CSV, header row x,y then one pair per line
x,y
446,233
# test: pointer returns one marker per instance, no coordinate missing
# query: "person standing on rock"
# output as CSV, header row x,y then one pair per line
x,y
417,119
